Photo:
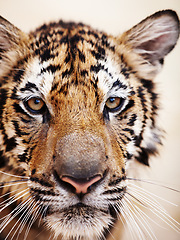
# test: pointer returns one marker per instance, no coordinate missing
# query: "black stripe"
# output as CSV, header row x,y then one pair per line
x,y
42,182
125,71
51,68
96,68
23,157
3,160
68,72
141,95
118,84
18,130
128,130
128,106
10,144
46,54
116,190
29,86
81,56
3,97
18,75
118,180
132,120
68,57
44,192
104,41
18,109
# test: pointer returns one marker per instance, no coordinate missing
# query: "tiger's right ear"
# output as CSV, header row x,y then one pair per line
x,y
13,44
10,36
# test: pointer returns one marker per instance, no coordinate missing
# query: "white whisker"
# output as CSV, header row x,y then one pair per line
x,y
14,199
26,218
34,217
153,183
19,219
4,195
42,214
133,222
13,184
148,193
124,220
16,211
139,216
12,175
155,208
129,223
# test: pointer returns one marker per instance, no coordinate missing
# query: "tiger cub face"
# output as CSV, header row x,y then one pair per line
x,y
76,107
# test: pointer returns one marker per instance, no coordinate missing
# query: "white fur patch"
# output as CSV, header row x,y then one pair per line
x,y
109,75
43,81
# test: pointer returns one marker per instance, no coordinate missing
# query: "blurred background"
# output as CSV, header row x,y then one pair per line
x,y
114,17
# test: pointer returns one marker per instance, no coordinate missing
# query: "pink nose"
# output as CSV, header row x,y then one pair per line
x,y
81,185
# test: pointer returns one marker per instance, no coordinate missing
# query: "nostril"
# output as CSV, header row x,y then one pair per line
x,y
81,185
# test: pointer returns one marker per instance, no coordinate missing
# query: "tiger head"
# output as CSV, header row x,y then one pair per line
x,y
77,106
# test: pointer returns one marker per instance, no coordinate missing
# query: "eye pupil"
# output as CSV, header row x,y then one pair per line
x,y
36,101
111,99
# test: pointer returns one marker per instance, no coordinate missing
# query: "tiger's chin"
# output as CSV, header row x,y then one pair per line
x,y
79,222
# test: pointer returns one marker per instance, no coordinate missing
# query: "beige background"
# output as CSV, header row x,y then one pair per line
x,y
114,17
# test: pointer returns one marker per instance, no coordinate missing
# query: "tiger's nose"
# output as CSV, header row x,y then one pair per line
x,y
79,162
81,185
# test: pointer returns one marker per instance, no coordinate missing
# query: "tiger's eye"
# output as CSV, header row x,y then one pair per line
x,y
113,103
35,104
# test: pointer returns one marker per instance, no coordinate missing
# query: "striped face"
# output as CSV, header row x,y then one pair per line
x,y
76,106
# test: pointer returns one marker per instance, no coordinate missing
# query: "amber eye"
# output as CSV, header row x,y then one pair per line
x,y
114,103
35,105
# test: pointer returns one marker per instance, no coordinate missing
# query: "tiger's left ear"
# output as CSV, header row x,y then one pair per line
x,y
154,37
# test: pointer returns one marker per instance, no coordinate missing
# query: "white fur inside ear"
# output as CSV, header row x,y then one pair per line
x,y
155,36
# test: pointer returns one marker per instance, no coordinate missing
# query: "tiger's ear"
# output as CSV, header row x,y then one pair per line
x,y
10,36
154,37
13,44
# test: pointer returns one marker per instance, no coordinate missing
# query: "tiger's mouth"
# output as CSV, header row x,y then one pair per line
x,y
80,220
80,209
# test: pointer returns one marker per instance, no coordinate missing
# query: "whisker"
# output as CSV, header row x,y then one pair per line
x,y
14,184
135,230
43,213
124,220
4,195
143,213
153,183
26,217
14,213
12,175
158,211
34,217
14,181
135,198
24,221
143,200
16,224
40,232
148,193
148,199
14,199
136,212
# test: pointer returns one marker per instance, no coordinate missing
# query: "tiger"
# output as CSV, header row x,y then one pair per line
x,y
78,106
